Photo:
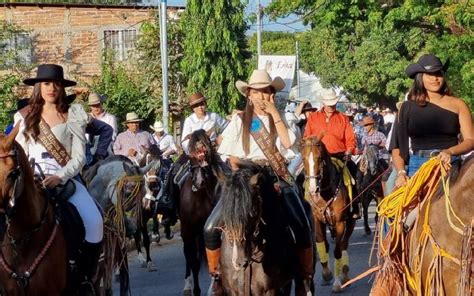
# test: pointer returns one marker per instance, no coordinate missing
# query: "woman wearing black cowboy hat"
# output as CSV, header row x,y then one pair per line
x,y
432,119
49,108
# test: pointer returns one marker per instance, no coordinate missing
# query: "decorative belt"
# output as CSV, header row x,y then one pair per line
x,y
427,153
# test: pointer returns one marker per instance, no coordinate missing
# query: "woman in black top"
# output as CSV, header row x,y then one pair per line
x,y
432,119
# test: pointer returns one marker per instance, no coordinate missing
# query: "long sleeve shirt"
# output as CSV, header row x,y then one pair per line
x,y
212,123
128,140
336,131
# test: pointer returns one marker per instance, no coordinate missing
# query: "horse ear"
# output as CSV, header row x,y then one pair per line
x,y
254,179
10,139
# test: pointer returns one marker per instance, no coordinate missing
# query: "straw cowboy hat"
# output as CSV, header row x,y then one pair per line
x,y
260,79
157,127
49,72
94,99
329,97
368,120
196,98
427,63
132,117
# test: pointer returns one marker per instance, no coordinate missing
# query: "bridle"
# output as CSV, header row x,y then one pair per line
x,y
318,176
22,278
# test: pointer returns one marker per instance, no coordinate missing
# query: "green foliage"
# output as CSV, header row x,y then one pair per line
x,y
365,46
9,81
214,50
99,2
273,43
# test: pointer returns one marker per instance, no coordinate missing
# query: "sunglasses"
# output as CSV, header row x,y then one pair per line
x,y
367,124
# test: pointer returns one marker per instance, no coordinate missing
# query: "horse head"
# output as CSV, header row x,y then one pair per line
x,y
242,197
314,154
372,156
150,154
13,167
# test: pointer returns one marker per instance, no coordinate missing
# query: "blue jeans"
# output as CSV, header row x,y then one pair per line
x,y
415,163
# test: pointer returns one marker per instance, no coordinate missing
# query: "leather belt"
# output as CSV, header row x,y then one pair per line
x,y
427,153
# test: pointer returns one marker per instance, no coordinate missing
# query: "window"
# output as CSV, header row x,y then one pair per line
x,y
17,50
121,42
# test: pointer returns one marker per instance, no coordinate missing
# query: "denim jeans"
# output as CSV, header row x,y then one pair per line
x,y
415,163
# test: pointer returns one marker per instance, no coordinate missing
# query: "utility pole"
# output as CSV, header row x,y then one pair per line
x,y
164,63
298,71
259,30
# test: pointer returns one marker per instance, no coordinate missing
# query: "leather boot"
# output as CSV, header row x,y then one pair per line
x,y
89,263
213,257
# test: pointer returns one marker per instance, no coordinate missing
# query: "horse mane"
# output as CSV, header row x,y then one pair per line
x,y
242,202
213,160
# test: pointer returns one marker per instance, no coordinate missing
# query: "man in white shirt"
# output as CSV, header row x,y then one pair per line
x,y
97,111
165,143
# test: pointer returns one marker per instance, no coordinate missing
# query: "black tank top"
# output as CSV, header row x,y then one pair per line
x,y
432,127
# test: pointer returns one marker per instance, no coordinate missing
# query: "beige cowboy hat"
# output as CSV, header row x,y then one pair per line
x,y
157,126
196,98
329,97
94,99
260,79
132,117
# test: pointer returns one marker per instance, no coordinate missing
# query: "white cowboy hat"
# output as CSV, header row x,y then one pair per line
x,y
93,99
260,79
132,117
157,126
329,97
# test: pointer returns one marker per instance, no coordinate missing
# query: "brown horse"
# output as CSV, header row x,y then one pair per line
x,y
33,249
441,264
196,201
329,200
258,251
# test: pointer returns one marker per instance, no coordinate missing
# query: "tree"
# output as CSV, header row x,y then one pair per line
x,y
365,46
214,50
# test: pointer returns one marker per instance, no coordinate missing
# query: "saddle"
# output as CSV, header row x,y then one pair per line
x,y
182,174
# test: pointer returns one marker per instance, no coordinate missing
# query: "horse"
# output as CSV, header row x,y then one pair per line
x,y
118,186
329,199
439,250
368,182
258,253
197,198
32,246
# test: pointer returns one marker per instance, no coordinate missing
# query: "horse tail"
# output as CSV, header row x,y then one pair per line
x,y
241,208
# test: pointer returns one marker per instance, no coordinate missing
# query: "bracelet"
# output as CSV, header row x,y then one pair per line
x,y
277,121
401,172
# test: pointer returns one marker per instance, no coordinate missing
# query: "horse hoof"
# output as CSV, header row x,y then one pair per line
x,y
187,293
368,231
327,277
336,287
151,267
325,282
141,260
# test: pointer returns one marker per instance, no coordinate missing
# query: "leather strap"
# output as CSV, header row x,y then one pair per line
x,y
263,140
49,141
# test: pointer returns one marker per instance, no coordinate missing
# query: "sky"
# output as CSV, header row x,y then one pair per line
x,y
288,24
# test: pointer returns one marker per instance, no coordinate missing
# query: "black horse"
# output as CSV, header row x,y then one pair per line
x,y
370,168
258,250
197,198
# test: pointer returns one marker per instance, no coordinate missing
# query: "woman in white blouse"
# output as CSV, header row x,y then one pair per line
x,y
238,143
67,123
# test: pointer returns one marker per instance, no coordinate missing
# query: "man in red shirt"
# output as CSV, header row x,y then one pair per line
x,y
338,135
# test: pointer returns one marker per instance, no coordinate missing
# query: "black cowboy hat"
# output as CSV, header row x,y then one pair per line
x,y
49,72
427,63
308,107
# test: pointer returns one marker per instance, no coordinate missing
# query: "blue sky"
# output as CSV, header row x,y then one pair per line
x,y
285,24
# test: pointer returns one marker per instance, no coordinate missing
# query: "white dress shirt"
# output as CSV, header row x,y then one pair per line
x,y
165,143
211,121
110,120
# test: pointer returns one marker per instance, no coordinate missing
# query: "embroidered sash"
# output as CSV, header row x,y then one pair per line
x,y
49,141
264,141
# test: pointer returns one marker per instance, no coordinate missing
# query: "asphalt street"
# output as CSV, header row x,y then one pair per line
x,y
168,257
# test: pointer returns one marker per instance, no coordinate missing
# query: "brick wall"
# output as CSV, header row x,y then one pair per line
x,y
73,35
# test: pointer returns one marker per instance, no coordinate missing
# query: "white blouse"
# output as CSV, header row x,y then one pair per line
x,y
231,144
70,133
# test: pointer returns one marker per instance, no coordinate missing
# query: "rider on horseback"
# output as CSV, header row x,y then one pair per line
x,y
337,135
241,141
53,133
213,124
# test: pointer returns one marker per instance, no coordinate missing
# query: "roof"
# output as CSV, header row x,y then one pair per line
x,y
88,3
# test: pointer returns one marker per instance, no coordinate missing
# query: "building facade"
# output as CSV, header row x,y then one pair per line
x,y
75,35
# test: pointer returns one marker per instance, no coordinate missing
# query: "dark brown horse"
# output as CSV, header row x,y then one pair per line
x,y
258,251
196,201
329,200
33,250
439,251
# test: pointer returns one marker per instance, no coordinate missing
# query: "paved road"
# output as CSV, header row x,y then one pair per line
x,y
168,280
